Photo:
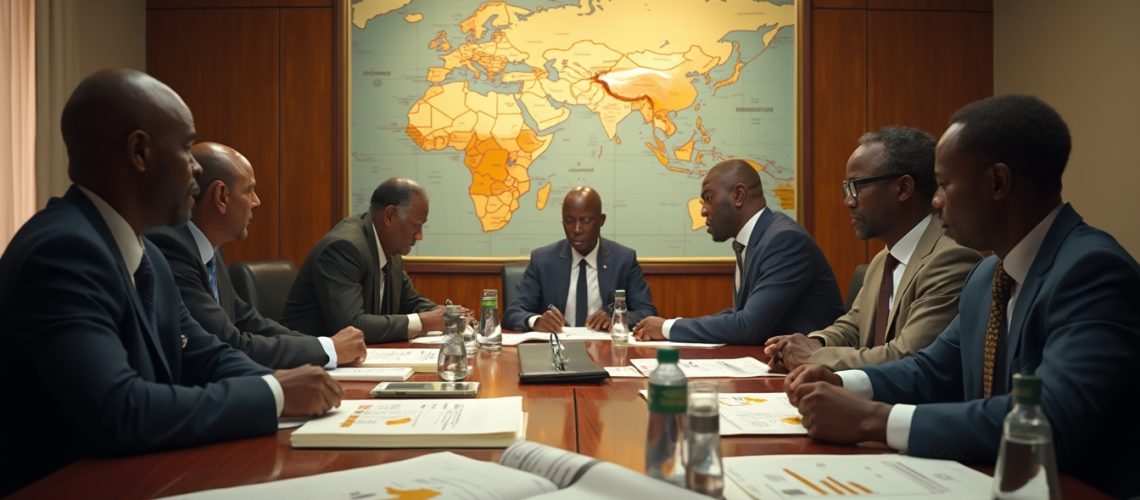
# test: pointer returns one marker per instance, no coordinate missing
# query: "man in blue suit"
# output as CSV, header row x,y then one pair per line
x,y
578,275
1058,298
783,283
100,355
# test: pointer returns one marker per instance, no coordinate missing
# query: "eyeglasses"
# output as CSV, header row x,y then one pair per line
x,y
851,186
556,352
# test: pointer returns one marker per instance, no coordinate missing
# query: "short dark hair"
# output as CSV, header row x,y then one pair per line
x,y
907,151
398,192
1021,131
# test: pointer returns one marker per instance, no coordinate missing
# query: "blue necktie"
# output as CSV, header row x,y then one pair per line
x,y
144,284
582,301
211,270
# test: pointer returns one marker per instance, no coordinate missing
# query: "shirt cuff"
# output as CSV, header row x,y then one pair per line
x,y
898,426
278,392
666,326
414,326
531,321
330,349
857,382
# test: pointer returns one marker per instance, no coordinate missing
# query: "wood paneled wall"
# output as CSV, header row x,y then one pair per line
x,y
873,63
266,76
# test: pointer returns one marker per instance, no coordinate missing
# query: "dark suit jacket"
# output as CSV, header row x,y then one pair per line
x,y
82,368
339,285
787,287
547,279
231,318
1076,324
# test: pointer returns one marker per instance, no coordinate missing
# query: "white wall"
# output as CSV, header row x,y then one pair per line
x,y
1083,58
73,39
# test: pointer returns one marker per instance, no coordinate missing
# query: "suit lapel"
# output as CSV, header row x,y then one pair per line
x,y
872,284
225,288
605,273
561,278
374,266
752,255
88,209
922,250
1067,219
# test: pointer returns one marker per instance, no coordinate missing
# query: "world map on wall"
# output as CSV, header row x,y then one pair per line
x,y
499,108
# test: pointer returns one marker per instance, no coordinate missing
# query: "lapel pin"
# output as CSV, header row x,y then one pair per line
x,y
184,340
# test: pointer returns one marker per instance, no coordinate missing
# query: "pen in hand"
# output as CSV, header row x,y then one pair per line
x,y
556,316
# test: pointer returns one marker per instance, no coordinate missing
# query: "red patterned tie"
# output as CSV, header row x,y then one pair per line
x,y
883,306
1002,286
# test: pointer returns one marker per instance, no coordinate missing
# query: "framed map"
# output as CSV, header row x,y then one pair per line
x,y
499,108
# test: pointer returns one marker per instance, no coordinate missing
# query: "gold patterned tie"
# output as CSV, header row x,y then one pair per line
x,y
1002,286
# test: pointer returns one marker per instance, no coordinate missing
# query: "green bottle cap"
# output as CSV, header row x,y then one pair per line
x,y
668,355
1026,389
619,293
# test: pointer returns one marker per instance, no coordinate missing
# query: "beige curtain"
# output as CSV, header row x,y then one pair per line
x,y
17,116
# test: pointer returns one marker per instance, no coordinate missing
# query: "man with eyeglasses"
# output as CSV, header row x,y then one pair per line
x,y
572,282
783,283
911,288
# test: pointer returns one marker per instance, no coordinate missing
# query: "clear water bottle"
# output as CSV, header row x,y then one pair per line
x,y
668,399
469,334
452,361
489,334
704,469
619,327
1026,466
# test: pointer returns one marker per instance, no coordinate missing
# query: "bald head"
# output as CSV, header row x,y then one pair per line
x,y
730,195
219,163
128,140
582,218
224,207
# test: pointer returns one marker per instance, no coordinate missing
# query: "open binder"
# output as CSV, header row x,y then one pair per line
x,y
538,364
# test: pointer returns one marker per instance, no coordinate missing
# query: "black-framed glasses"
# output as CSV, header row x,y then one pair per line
x,y
851,186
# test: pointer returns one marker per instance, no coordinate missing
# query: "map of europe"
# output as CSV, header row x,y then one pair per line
x,y
499,108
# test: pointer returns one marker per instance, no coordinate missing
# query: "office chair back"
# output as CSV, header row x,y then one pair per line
x,y
856,284
512,274
264,284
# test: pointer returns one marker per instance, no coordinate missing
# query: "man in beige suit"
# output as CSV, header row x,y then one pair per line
x,y
910,291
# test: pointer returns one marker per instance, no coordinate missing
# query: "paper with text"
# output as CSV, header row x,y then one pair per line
x,y
756,413
366,374
712,368
869,476
420,360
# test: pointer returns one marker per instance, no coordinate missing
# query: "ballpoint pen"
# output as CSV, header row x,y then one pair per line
x,y
550,307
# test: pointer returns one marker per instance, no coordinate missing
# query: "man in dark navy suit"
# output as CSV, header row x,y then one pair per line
x,y
783,283
100,356
578,275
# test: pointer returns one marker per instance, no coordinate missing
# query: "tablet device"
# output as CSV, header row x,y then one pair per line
x,y
425,390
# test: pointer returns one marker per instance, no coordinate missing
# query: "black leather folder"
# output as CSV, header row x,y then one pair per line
x,y
536,365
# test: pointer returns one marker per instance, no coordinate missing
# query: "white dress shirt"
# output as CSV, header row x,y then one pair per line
x,y
414,324
742,237
593,291
207,251
131,247
1016,264
902,251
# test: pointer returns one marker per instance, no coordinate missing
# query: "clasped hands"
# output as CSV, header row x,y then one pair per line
x,y
830,412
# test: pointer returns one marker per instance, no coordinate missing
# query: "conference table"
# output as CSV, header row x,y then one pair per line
x,y
607,421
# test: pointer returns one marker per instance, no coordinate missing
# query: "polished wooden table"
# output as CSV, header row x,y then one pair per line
x,y
607,421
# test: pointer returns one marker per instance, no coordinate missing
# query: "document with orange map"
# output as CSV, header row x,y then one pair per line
x,y
526,470
864,476
416,423
756,413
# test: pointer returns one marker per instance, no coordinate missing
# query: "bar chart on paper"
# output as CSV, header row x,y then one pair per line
x,y
812,476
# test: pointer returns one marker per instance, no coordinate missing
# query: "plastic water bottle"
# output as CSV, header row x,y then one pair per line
x,y
619,327
452,361
668,399
489,333
1026,466
704,469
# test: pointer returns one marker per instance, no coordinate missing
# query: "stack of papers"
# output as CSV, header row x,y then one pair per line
x,y
371,374
420,423
756,413
420,360
712,368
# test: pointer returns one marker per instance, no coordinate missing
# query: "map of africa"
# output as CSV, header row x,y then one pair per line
x,y
499,108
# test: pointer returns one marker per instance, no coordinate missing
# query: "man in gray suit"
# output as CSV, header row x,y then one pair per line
x,y
354,276
222,211
910,291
